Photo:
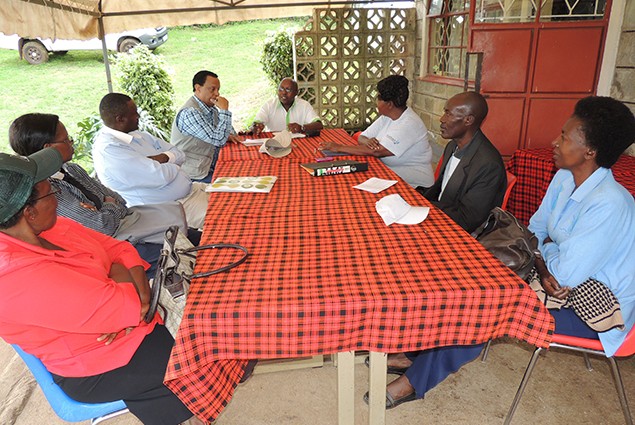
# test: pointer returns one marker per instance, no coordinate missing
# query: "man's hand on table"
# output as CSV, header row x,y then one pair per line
x,y
233,138
257,128
294,127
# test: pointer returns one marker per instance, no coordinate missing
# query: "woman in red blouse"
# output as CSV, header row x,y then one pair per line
x,y
75,298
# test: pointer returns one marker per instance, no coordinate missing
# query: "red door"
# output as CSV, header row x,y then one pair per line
x,y
533,73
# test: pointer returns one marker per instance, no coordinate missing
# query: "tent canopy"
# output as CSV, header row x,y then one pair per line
x,y
79,19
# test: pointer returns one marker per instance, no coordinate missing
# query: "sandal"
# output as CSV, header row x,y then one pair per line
x,y
391,402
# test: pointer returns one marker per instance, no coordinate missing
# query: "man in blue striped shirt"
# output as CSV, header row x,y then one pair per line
x,y
202,126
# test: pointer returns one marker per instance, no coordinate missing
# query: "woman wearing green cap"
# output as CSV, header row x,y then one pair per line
x,y
75,298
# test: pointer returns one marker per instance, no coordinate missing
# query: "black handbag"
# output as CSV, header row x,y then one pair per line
x,y
175,270
508,240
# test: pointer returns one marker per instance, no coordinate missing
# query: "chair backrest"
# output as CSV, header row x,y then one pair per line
x,y
64,406
437,170
628,346
511,181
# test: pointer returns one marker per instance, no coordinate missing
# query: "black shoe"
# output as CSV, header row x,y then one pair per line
x,y
391,370
249,370
391,402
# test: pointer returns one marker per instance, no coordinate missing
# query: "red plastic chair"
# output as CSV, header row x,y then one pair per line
x,y
437,171
356,135
585,346
511,181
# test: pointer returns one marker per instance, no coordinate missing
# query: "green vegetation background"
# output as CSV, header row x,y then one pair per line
x,y
72,85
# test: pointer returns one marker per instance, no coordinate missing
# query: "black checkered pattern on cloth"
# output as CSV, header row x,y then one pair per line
x,y
592,301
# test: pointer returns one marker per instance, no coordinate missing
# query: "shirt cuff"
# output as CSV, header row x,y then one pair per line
x,y
170,155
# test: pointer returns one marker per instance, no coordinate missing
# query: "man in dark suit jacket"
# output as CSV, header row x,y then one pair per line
x,y
472,180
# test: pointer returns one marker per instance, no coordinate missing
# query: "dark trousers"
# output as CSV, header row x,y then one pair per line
x,y
139,384
569,323
150,252
430,367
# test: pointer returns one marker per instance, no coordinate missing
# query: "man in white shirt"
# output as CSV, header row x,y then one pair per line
x,y
140,167
287,112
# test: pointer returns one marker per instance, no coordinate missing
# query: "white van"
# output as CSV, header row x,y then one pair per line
x,y
36,50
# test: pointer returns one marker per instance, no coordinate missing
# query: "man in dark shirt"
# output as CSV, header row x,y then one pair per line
x,y
472,178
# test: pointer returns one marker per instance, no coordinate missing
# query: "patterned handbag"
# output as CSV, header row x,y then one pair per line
x,y
175,270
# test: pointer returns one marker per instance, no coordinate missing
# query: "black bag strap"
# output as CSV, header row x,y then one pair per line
x,y
190,251
175,254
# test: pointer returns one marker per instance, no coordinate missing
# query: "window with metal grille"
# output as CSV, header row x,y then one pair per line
x,y
448,38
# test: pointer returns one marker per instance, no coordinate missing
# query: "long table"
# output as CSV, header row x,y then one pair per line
x,y
534,169
325,275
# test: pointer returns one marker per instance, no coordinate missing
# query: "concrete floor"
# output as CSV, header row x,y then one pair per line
x,y
561,391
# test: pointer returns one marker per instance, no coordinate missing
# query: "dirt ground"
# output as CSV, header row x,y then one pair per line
x,y
561,391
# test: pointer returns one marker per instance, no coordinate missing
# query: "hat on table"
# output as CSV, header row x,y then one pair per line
x,y
32,169
394,209
278,146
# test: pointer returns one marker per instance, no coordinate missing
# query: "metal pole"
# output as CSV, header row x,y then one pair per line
x,y
104,50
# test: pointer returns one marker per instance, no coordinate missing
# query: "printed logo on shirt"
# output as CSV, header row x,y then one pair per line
x,y
392,140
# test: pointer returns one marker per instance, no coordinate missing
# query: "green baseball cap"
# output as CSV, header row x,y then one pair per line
x,y
32,169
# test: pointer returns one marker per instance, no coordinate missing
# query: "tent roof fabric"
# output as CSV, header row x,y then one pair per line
x,y
78,19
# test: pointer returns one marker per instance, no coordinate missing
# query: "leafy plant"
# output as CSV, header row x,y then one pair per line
x,y
88,128
277,54
142,76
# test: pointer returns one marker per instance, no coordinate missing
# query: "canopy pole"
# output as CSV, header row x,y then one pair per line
x,y
104,50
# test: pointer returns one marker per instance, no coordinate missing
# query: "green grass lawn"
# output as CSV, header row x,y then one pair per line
x,y
72,85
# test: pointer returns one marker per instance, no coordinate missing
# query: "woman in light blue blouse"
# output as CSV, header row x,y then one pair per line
x,y
586,229
586,222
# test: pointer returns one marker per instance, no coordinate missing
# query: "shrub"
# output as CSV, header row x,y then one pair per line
x,y
143,77
88,128
277,55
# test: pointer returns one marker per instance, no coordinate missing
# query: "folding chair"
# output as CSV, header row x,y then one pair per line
x,y
585,346
64,406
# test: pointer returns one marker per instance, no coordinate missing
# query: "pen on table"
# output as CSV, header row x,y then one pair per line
x,y
326,158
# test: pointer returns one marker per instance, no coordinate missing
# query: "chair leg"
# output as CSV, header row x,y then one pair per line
x,y
521,387
486,351
107,416
619,385
587,362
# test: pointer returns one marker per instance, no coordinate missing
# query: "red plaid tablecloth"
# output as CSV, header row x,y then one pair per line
x,y
304,148
534,170
326,275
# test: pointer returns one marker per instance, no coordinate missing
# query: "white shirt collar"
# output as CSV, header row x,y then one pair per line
x,y
124,137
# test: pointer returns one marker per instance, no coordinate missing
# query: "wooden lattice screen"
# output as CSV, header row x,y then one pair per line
x,y
341,54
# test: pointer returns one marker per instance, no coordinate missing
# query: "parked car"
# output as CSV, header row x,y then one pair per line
x,y
36,50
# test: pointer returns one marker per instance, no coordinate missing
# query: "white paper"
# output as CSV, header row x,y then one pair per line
x,y
253,142
375,185
293,135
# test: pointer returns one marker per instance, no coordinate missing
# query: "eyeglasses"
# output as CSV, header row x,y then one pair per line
x,y
67,140
285,89
52,192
